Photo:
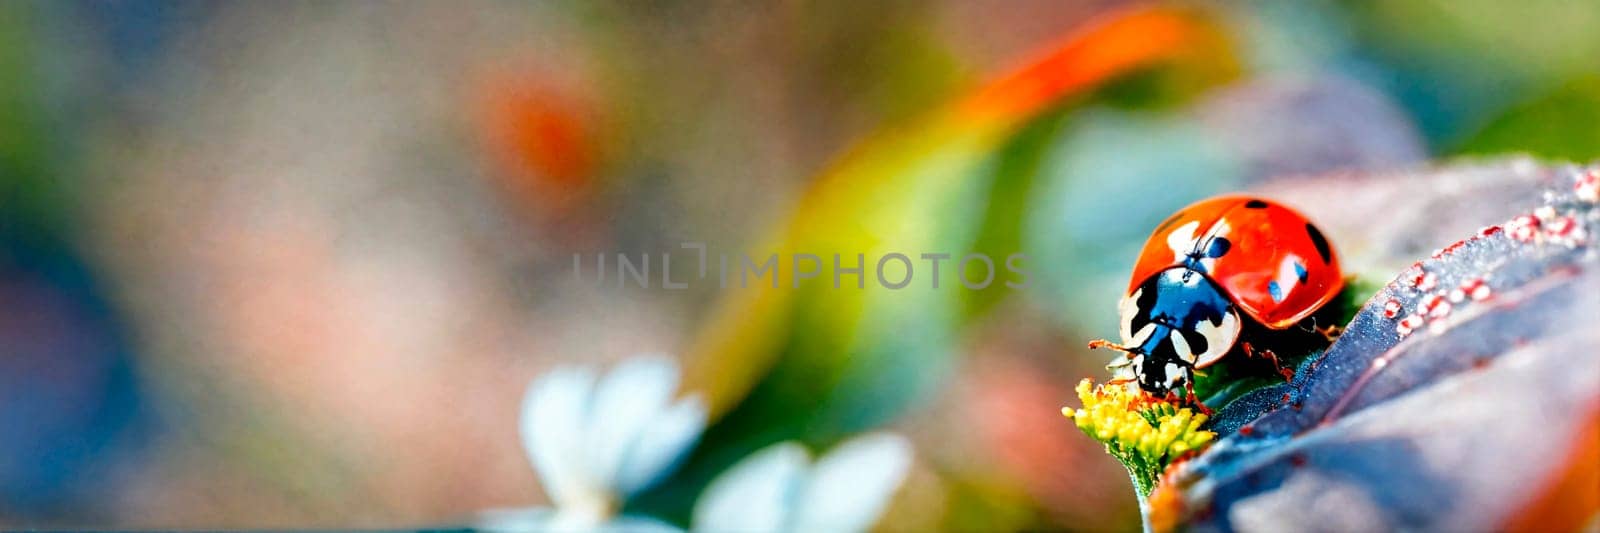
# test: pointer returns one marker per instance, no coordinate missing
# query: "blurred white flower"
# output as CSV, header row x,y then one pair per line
x,y
779,489
594,444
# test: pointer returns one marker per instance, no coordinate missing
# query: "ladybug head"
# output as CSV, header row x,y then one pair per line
x,y
1176,321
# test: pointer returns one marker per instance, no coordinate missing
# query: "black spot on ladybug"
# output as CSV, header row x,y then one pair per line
x,y
1255,204
1320,242
1218,247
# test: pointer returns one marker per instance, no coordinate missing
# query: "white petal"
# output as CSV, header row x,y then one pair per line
x,y
552,426
639,524
542,520
754,495
625,403
851,486
511,520
657,450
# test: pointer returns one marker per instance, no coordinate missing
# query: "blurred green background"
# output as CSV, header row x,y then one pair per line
x,y
292,264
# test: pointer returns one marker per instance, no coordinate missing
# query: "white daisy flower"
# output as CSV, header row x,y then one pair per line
x,y
780,489
595,444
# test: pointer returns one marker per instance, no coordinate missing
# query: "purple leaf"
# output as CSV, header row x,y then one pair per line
x,y
1456,393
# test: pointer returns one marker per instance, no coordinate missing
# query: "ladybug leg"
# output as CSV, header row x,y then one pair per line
x,y
1286,372
1128,355
1191,399
1330,332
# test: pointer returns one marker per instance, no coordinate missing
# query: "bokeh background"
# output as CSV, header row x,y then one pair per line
x,y
293,265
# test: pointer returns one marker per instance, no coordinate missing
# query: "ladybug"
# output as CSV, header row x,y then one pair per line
x,y
1212,270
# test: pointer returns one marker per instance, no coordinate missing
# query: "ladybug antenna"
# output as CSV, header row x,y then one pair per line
x,y
1102,343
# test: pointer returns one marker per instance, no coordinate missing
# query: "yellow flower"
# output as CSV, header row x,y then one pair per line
x,y
1147,434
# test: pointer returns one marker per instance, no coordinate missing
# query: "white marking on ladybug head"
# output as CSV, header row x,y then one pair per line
x,y
1173,373
1180,345
1142,335
1219,338
1126,310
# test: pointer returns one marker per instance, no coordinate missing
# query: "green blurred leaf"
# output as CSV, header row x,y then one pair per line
x,y
34,191
1561,124
815,363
